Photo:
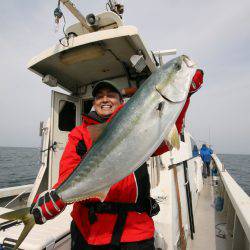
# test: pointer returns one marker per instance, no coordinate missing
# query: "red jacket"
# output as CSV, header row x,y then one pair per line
x,y
133,188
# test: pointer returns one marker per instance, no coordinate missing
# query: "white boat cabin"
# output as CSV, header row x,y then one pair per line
x,y
86,59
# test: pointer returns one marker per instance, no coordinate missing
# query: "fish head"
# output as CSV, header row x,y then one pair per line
x,y
177,77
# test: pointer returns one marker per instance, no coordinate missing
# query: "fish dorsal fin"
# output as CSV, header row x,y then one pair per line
x,y
173,139
96,131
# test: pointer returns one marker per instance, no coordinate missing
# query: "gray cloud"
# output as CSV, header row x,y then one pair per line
x,y
214,33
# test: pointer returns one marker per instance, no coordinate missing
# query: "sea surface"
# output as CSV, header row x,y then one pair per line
x,y
19,166
238,167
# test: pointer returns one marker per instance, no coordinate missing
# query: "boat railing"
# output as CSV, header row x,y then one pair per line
x,y
15,197
14,191
236,207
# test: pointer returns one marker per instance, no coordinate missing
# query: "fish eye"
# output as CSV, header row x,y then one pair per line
x,y
177,66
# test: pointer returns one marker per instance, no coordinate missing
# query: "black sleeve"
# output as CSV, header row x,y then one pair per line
x,y
143,183
81,148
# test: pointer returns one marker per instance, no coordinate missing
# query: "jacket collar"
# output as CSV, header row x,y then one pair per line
x,y
93,118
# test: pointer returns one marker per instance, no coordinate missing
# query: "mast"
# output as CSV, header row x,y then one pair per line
x,y
113,5
76,13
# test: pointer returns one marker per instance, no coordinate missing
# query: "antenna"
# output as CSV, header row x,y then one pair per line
x,y
209,136
116,7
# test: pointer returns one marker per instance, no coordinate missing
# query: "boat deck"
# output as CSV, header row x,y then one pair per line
x,y
209,224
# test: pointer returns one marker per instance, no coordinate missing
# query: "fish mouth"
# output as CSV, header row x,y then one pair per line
x,y
188,61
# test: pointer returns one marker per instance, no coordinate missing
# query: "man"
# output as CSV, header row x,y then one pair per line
x,y
206,153
123,220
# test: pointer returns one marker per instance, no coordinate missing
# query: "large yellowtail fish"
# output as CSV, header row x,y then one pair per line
x,y
129,139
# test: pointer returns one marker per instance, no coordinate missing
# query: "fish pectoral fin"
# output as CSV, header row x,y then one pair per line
x,y
173,139
24,215
100,194
96,131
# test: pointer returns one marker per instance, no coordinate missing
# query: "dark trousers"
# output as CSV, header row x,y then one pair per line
x,y
206,169
78,243
207,164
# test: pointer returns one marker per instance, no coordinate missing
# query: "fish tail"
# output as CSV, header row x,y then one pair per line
x,y
24,215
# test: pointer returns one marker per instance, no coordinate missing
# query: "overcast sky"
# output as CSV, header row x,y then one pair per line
x,y
214,33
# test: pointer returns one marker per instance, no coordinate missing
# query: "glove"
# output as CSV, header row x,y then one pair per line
x,y
196,81
81,148
46,206
152,207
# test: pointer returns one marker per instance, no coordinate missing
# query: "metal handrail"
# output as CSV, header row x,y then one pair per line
x,y
19,195
239,199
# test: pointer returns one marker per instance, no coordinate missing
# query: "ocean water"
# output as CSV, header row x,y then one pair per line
x,y
239,168
19,166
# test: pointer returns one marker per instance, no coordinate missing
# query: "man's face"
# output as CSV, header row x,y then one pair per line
x,y
106,102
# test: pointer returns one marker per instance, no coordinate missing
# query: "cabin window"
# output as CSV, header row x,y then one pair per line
x,y
87,106
67,115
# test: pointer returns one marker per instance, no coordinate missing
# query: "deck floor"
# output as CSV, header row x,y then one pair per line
x,y
206,219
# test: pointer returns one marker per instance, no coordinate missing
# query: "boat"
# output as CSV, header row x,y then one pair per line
x,y
196,213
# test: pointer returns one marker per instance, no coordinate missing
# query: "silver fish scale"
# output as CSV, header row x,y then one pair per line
x,y
130,138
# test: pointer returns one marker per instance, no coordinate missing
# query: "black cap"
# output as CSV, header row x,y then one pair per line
x,y
105,84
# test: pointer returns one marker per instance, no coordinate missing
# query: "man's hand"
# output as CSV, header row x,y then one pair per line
x,y
46,206
196,81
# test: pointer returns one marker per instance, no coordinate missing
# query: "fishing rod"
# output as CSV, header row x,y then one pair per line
x,y
181,162
188,193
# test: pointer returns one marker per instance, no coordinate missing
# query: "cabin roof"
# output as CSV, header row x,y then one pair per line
x,y
92,57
